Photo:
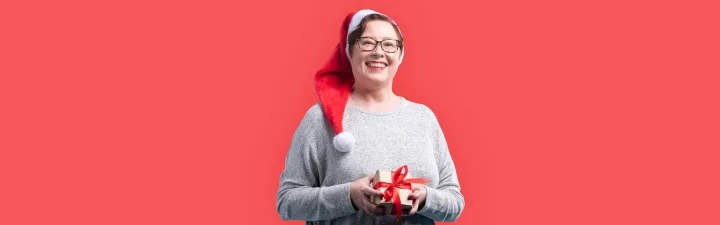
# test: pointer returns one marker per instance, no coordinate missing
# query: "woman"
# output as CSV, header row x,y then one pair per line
x,y
360,126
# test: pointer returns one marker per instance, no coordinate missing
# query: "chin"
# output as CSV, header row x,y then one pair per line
x,y
377,77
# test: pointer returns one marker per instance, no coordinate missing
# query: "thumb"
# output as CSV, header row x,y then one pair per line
x,y
372,192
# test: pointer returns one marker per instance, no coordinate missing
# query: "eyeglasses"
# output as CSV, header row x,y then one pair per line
x,y
387,45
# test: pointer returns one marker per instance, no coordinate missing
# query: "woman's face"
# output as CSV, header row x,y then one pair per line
x,y
377,67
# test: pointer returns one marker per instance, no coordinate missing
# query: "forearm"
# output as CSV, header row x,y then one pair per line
x,y
314,203
443,204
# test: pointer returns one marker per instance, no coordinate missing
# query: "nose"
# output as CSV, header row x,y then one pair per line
x,y
378,52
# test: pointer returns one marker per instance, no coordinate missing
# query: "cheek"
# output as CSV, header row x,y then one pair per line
x,y
355,62
357,59
394,59
358,64
358,68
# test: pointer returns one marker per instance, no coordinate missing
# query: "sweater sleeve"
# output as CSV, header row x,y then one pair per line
x,y
444,203
300,196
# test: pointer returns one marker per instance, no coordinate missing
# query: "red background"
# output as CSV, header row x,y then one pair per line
x,y
181,112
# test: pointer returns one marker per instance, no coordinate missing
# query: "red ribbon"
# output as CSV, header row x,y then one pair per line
x,y
398,182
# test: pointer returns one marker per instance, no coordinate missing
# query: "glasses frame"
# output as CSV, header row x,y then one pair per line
x,y
399,44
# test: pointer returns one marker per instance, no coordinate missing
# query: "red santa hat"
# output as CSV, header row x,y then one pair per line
x,y
334,81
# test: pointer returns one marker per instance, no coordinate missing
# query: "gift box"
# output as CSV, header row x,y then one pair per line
x,y
396,187
386,176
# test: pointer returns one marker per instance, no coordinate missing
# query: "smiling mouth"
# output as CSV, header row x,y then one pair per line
x,y
376,66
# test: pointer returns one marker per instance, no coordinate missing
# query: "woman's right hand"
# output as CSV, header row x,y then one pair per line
x,y
360,192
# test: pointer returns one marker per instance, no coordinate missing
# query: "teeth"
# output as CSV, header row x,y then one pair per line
x,y
373,64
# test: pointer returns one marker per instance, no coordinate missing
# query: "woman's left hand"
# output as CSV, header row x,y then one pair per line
x,y
418,196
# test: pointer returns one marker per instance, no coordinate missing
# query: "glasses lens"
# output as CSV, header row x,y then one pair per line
x,y
367,44
390,45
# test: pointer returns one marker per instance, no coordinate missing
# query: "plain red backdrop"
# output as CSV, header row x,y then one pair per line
x,y
181,112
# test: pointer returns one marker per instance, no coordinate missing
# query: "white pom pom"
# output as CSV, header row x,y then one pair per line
x,y
344,142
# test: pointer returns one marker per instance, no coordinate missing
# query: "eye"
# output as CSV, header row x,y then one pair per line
x,y
367,42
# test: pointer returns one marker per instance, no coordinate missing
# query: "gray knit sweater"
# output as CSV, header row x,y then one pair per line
x,y
315,183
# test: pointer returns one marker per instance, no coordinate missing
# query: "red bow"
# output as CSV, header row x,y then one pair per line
x,y
398,182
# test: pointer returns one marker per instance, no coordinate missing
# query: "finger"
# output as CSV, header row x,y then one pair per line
x,y
361,206
370,178
414,195
367,191
370,208
414,207
372,192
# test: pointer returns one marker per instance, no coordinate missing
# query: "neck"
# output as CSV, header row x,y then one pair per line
x,y
374,99
372,96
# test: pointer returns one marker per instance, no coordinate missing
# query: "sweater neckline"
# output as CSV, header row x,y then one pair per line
x,y
403,103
